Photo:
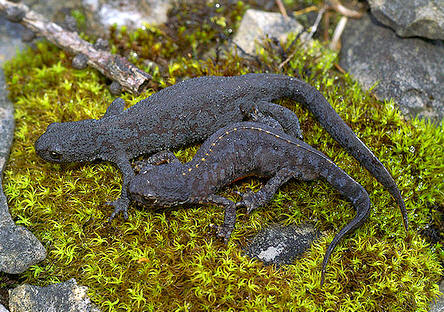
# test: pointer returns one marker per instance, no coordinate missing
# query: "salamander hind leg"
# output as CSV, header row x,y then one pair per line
x,y
252,200
258,116
162,157
223,231
286,118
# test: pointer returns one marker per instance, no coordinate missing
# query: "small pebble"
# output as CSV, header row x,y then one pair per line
x,y
70,23
101,44
115,88
15,14
80,61
28,35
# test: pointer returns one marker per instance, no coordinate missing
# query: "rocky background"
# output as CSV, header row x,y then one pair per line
x,y
396,49
399,46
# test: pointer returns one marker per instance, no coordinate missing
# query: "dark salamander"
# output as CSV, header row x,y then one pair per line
x,y
189,112
239,150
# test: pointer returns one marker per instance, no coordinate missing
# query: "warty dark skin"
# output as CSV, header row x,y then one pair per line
x,y
189,112
236,151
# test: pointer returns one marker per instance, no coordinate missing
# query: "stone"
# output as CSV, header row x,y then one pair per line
x,y
28,35
115,88
70,23
132,14
438,304
14,14
282,244
411,70
3,309
101,14
80,61
19,248
66,296
257,25
10,41
422,18
54,10
101,44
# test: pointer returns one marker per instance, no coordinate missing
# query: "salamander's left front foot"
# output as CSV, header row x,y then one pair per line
x,y
120,205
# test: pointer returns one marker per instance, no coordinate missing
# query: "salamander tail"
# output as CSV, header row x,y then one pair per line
x,y
341,132
362,205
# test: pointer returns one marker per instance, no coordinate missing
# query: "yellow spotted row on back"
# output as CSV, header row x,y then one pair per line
x,y
260,130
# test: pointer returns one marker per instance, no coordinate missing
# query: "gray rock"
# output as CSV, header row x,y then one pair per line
x,y
100,14
54,10
3,309
115,88
256,25
438,305
14,14
80,61
10,34
411,71
282,245
70,23
63,297
101,44
130,13
423,18
19,248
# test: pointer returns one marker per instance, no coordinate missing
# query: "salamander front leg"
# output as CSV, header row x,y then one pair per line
x,y
121,204
160,158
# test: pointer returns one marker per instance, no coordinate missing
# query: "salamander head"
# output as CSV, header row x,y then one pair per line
x,y
160,186
69,142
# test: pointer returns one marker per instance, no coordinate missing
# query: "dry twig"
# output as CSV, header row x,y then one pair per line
x,y
281,8
306,10
307,38
112,66
315,26
335,44
338,7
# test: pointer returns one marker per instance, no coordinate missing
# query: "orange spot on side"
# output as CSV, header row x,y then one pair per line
x,y
242,177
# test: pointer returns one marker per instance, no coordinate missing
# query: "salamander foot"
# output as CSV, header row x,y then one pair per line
x,y
120,205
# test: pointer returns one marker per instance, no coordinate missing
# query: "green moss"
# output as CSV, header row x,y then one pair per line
x,y
170,260
190,30
80,18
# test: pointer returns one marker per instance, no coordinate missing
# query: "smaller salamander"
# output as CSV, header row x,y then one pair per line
x,y
236,151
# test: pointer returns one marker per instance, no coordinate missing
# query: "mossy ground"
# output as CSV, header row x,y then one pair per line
x,y
170,260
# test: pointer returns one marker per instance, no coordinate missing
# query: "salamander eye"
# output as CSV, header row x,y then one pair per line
x,y
55,155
